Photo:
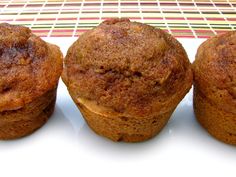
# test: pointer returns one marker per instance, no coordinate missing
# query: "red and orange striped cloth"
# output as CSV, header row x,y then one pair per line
x,y
68,18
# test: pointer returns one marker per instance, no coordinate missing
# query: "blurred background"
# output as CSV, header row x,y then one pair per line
x,y
70,18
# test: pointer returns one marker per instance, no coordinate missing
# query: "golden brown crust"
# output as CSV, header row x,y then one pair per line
x,y
215,70
129,67
122,128
215,86
218,122
29,67
24,121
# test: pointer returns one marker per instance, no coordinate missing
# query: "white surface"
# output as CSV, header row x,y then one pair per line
x,y
65,146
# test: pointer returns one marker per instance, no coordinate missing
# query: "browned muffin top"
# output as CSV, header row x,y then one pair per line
x,y
127,66
215,70
28,66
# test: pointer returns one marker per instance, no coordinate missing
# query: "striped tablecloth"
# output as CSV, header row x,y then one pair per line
x,y
69,18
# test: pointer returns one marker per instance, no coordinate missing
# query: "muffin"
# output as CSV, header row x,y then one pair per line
x,y
29,73
127,78
215,86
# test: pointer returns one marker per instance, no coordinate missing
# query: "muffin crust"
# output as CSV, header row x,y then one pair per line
x,y
129,67
127,78
23,121
29,67
29,73
215,86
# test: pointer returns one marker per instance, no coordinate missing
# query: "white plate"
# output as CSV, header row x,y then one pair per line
x,y
65,146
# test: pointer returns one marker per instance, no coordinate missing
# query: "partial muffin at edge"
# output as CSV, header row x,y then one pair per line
x,y
215,86
29,70
130,70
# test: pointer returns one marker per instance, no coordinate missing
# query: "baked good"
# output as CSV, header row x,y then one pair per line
x,y
29,73
127,78
215,86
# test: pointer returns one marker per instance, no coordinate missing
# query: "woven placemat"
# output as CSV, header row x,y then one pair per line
x,y
70,18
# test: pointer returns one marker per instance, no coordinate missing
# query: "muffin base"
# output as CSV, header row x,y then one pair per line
x,y
219,123
121,128
24,121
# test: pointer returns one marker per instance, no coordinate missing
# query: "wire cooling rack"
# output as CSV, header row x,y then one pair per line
x,y
70,18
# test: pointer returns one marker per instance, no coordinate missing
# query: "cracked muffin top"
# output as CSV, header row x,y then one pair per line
x,y
215,70
28,66
128,66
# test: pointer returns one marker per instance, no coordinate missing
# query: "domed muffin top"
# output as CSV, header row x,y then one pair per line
x,y
28,66
127,66
215,70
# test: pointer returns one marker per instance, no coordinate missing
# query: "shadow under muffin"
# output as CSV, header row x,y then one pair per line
x,y
127,78
29,72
